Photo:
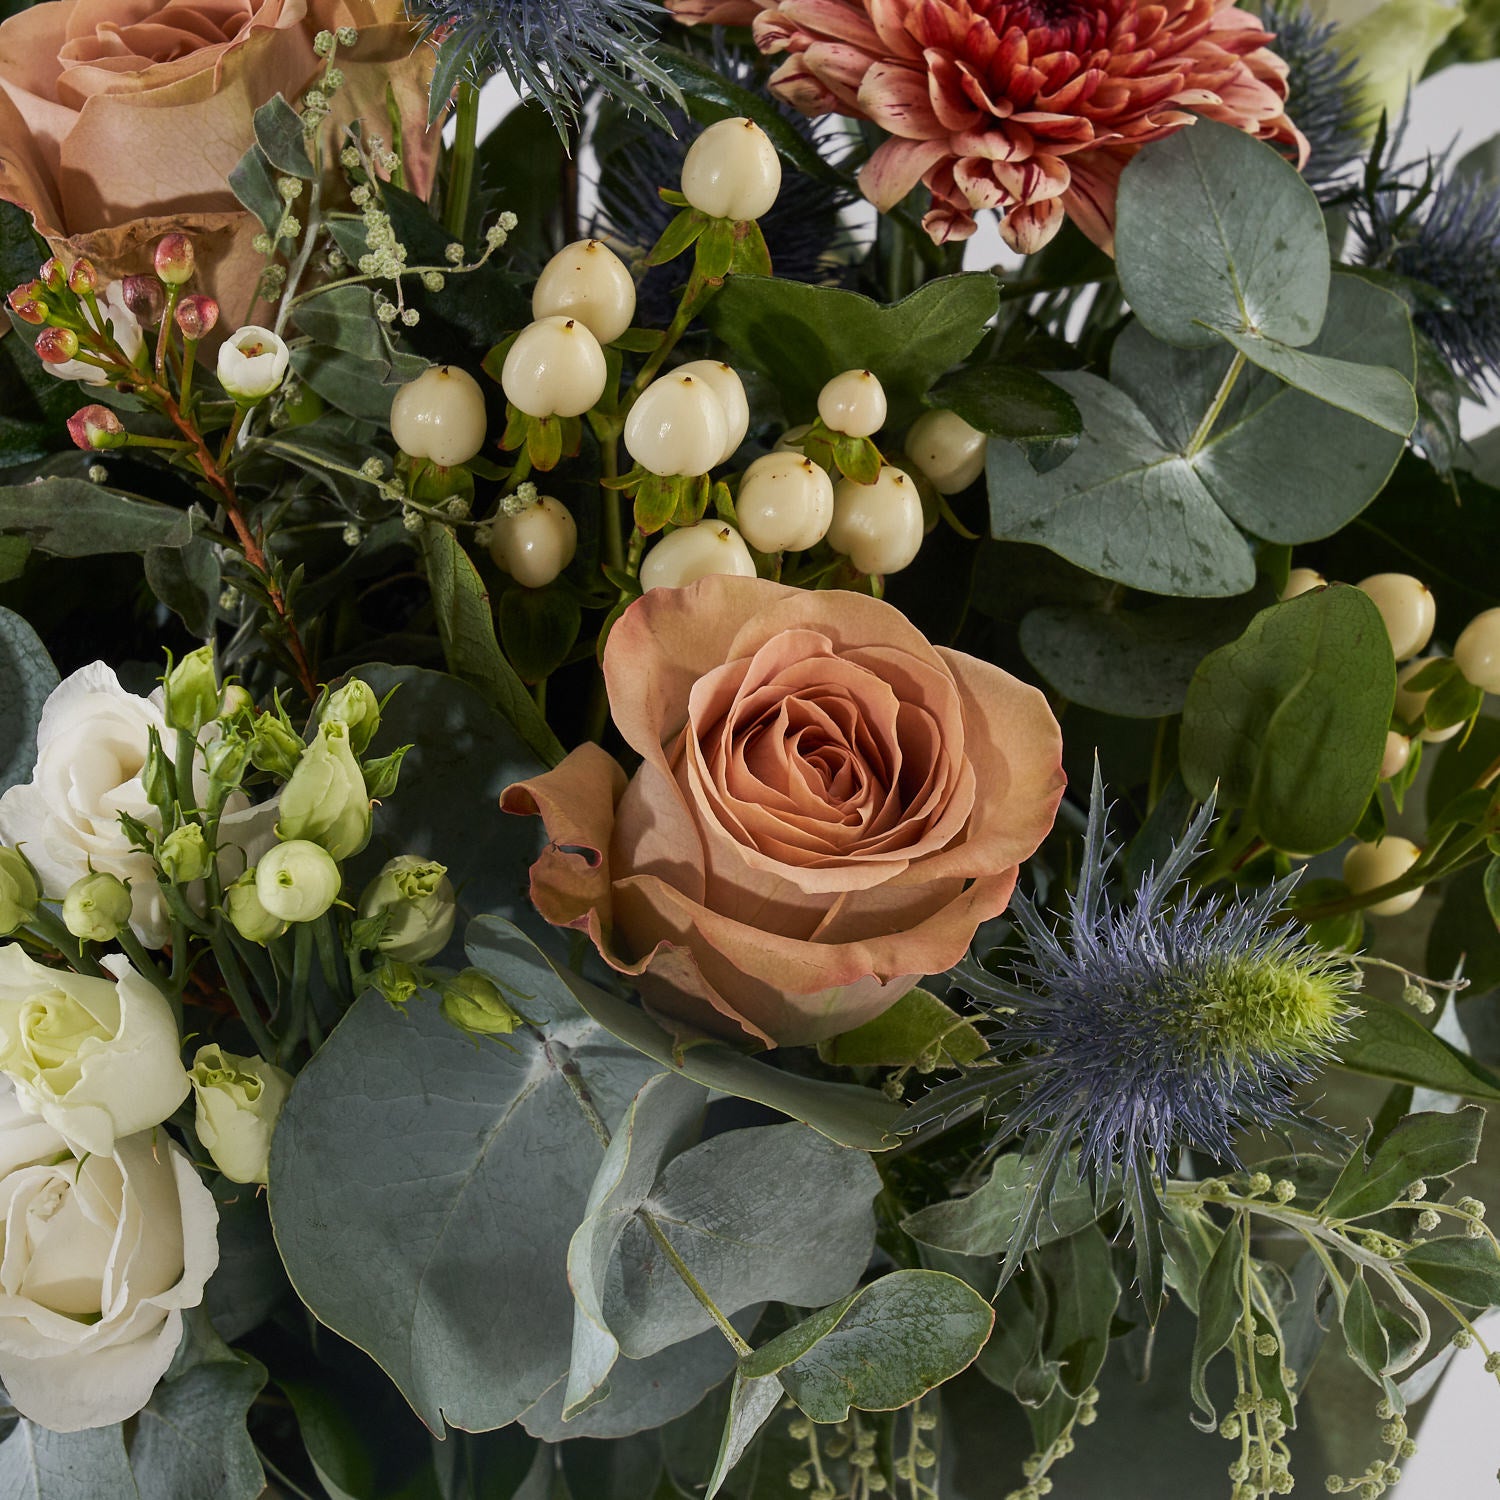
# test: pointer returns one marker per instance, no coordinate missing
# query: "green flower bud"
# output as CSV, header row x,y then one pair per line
x,y
233,700
325,800
297,881
184,855
227,757
156,775
192,691
18,891
97,908
355,706
239,1099
274,745
398,982
415,898
247,916
473,1003
382,775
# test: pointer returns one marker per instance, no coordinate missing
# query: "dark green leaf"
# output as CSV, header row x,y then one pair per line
x,y
918,1028
1424,1145
1363,1333
1017,404
1220,1306
1390,1043
27,676
186,578
1466,1270
278,131
360,386
538,628
1012,1358
76,518
520,163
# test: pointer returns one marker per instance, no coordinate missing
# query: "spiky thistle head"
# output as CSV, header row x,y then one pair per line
x,y
1155,1021
556,51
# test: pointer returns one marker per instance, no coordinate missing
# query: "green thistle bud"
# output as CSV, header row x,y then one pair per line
x,y
415,898
474,1003
247,916
325,799
184,855
97,908
297,881
19,892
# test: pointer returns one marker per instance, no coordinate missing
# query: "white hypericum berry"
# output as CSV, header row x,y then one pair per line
x,y
1367,866
678,426
732,171
1407,607
535,543
947,450
555,368
853,403
683,557
878,526
730,390
439,416
1302,581
1477,651
1397,753
785,503
588,281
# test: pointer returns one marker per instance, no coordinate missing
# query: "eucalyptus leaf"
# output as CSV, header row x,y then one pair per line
x,y
77,518
186,577
880,1348
36,1464
918,1028
1289,722
751,1403
1388,1042
27,677
1429,1144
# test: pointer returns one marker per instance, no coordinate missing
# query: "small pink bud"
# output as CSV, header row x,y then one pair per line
x,y
174,259
83,278
54,275
196,315
57,345
96,427
27,302
144,297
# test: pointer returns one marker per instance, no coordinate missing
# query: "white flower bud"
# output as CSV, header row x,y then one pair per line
x,y
1367,866
732,171
853,403
535,543
677,426
879,526
184,855
1407,607
238,1102
683,557
947,450
97,908
1477,651
326,799
297,881
555,368
440,416
588,281
416,898
252,363
785,503
247,916
730,390
1302,581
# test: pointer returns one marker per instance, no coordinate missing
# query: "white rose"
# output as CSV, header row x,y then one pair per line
x,y
239,1099
91,753
128,335
97,1059
100,1257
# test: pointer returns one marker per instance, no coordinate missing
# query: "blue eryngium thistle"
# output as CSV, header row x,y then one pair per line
x,y
557,51
1159,1020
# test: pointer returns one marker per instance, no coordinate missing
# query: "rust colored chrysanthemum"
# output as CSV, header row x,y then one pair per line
x,y
1030,107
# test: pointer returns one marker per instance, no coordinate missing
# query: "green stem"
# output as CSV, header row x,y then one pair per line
x,y
691,1282
1221,396
147,968
461,162
164,333
141,440
303,942
613,527
244,1003
189,363
331,956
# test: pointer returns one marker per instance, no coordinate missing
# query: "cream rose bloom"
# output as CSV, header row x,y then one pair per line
x,y
98,1260
97,1059
91,754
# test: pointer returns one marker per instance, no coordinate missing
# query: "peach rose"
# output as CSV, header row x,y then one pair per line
x,y
827,808
120,120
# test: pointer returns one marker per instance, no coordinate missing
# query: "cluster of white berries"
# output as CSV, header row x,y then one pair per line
x,y
1409,610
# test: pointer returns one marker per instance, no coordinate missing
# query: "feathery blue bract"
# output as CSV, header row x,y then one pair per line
x,y
1323,93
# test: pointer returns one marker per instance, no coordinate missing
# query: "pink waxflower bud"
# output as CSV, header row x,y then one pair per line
x,y
54,275
96,427
57,345
196,315
174,259
83,278
144,297
28,303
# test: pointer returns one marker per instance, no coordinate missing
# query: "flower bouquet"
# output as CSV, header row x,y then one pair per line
x,y
672,826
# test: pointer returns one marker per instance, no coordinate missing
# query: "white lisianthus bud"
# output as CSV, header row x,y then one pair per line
x,y
683,557
785,503
947,450
191,690
555,368
252,363
879,526
247,916
238,1101
356,707
184,855
588,281
97,1059
1367,866
19,892
1477,651
732,171
416,899
1407,607
297,881
97,907
440,416
853,403
326,800
730,390
677,426
535,542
